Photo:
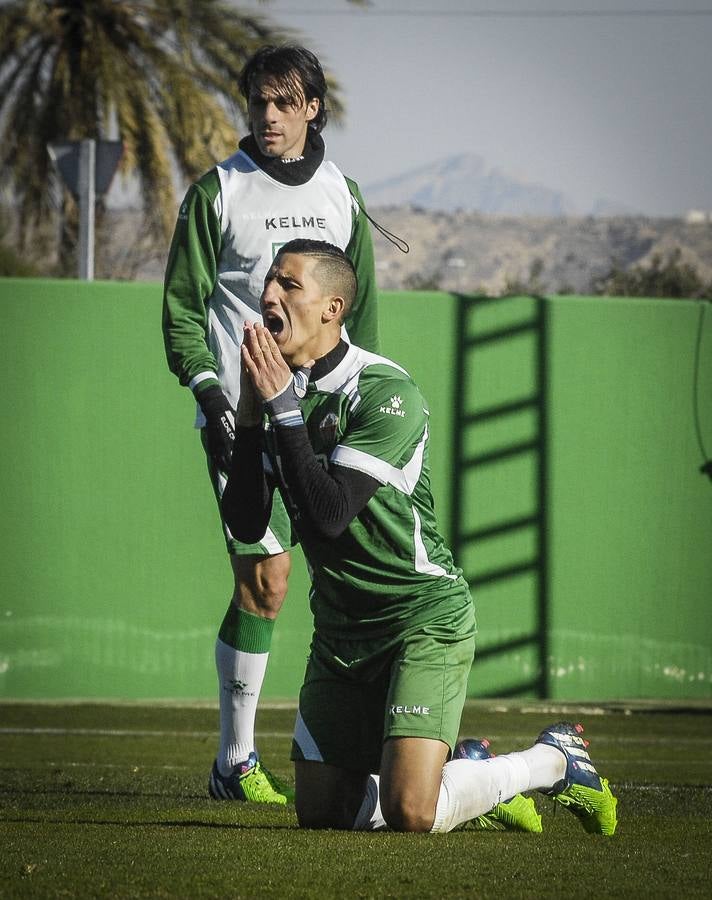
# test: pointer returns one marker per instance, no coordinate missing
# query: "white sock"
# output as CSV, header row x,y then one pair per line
x,y
471,788
546,765
369,816
240,677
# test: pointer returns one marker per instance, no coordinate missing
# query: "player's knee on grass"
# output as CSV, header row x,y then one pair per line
x,y
411,776
407,812
338,815
327,796
261,583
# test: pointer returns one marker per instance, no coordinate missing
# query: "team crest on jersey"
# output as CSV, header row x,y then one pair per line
x,y
328,426
395,408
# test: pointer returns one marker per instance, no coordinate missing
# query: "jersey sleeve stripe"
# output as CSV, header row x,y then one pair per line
x,y
289,419
200,378
404,479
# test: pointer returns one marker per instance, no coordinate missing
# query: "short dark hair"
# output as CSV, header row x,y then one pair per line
x,y
295,69
334,270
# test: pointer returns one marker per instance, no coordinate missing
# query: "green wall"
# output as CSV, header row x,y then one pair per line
x,y
114,579
631,558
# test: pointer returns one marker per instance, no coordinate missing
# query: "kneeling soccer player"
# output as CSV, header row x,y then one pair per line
x,y
343,434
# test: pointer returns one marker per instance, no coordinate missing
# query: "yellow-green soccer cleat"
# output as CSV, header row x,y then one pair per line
x,y
517,814
279,786
582,790
250,781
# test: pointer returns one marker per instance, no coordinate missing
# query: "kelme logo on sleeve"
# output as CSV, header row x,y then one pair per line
x,y
395,407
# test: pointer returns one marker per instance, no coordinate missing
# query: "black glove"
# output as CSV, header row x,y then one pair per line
x,y
220,419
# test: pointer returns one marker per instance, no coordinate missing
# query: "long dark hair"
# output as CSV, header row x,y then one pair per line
x,y
295,69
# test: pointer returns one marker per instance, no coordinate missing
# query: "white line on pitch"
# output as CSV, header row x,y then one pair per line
x,y
126,732
129,732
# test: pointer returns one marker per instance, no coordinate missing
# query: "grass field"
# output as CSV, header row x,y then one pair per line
x,y
110,801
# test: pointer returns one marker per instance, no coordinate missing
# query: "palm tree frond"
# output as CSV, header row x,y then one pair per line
x,y
162,75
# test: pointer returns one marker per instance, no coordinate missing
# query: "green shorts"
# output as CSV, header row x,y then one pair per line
x,y
279,536
356,694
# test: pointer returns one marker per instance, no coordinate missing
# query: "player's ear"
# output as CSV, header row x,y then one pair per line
x,y
334,309
312,109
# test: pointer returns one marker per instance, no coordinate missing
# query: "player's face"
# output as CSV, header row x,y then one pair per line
x,y
296,311
279,123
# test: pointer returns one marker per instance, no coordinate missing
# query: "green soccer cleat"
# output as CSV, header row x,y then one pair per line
x,y
252,782
517,814
582,790
279,786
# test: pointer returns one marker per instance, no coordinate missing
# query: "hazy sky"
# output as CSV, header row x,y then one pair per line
x,y
597,106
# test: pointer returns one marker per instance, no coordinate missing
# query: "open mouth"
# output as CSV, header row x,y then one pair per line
x,y
273,324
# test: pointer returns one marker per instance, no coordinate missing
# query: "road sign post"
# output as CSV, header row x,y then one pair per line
x,y
87,208
86,167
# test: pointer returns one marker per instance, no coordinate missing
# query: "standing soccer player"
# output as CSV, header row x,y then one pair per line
x,y
276,187
343,434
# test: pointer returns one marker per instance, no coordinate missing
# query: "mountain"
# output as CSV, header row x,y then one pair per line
x,y
466,182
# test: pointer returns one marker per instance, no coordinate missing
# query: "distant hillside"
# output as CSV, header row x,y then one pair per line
x,y
472,252
458,251
465,182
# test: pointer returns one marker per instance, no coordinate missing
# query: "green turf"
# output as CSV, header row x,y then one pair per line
x,y
110,801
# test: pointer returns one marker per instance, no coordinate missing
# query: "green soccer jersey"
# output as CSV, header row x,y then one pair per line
x,y
390,569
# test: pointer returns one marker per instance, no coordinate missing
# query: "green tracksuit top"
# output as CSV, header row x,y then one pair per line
x,y
230,226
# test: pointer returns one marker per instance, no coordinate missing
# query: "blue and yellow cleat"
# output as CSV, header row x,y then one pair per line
x,y
582,790
517,814
251,782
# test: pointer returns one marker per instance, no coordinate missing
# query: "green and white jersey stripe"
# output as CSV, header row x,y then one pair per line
x,y
389,567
